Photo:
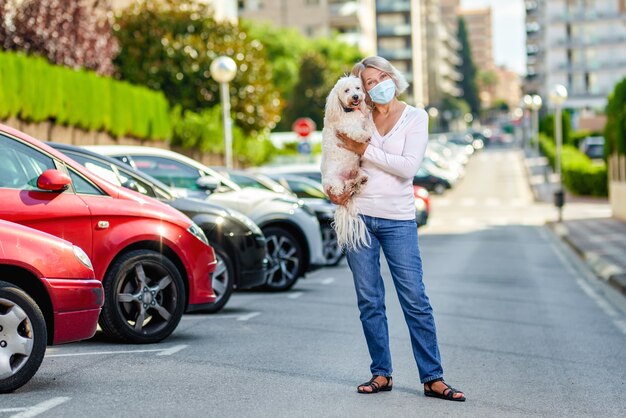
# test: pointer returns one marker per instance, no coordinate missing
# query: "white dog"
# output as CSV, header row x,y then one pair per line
x,y
345,112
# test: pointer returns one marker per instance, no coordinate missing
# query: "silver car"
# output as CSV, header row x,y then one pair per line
x,y
294,240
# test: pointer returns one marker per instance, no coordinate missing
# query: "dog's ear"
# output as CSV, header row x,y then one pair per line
x,y
333,109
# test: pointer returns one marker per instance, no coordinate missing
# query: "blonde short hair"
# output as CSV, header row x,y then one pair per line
x,y
381,64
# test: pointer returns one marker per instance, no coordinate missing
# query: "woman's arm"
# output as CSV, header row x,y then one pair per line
x,y
404,165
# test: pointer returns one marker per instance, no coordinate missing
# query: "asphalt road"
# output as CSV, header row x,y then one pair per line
x,y
523,328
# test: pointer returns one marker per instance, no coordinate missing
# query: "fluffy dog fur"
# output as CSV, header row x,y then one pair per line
x,y
345,112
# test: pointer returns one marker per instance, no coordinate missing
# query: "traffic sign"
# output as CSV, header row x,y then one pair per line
x,y
303,126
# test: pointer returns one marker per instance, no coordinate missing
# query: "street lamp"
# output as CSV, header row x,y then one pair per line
x,y
223,70
558,95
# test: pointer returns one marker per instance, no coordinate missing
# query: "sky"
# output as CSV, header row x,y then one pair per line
x,y
509,37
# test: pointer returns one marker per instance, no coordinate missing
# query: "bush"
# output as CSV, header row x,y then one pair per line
x,y
204,131
35,91
580,175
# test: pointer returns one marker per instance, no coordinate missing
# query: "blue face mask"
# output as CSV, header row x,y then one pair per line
x,y
383,92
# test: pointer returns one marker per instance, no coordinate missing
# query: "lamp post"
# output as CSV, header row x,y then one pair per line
x,y
558,95
536,105
223,70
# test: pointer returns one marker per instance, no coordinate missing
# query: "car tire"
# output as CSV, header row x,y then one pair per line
x,y
23,337
332,252
285,259
223,280
142,285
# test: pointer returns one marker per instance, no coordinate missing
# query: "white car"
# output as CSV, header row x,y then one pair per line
x,y
294,240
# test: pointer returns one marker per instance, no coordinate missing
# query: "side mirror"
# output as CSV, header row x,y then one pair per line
x,y
207,183
53,180
132,185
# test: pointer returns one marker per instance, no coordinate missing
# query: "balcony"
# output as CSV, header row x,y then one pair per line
x,y
595,41
396,54
590,15
391,6
398,30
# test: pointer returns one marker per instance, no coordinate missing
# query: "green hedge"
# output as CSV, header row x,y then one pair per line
x,y
580,175
34,90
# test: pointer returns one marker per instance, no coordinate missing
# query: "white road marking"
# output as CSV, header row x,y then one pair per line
x,y
295,295
38,409
328,280
172,350
159,351
248,316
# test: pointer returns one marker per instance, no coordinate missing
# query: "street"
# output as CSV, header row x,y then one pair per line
x,y
524,330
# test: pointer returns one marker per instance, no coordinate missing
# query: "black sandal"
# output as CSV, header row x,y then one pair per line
x,y
448,392
375,386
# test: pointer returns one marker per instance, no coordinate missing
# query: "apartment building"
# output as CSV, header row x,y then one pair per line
x,y
352,20
578,43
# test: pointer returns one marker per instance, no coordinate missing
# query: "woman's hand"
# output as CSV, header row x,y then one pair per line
x,y
350,144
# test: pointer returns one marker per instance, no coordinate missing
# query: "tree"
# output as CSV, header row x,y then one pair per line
x,y
615,129
291,52
73,33
468,71
309,93
169,45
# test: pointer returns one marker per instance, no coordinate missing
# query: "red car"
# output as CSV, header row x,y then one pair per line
x,y
154,262
48,295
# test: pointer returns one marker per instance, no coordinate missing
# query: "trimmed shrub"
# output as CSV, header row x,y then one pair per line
x,y
35,91
581,176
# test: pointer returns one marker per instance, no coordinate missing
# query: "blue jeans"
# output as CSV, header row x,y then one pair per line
x,y
398,240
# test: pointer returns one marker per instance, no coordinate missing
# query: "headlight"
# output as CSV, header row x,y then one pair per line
x,y
82,257
246,221
197,232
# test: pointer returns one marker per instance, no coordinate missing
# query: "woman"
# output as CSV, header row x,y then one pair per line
x,y
386,203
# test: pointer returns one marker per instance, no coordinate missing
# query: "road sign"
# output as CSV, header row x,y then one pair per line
x,y
303,126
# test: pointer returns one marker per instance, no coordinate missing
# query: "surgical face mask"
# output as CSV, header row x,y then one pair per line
x,y
383,92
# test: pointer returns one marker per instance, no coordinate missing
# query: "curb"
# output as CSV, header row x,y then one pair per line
x,y
606,271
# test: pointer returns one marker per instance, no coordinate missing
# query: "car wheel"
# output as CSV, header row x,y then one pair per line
x,y
285,259
23,337
439,188
332,252
144,297
223,280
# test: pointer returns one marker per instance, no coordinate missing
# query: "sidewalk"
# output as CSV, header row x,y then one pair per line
x,y
599,241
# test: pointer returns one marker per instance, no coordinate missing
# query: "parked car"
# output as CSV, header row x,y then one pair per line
x,y
311,171
431,182
310,192
239,244
592,147
310,184
153,261
422,204
48,295
291,229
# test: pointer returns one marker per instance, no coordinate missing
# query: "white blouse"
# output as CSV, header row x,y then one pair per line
x,y
390,162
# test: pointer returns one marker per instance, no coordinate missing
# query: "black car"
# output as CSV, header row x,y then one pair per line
x,y
238,242
430,182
